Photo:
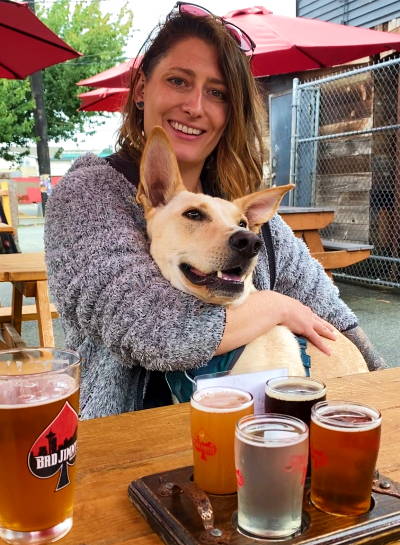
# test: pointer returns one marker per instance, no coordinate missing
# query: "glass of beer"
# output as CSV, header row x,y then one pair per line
x,y
214,414
271,454
39,397
344,441
293,396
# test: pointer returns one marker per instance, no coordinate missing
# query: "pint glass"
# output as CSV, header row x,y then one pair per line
x,y
271,453
293,396
344,440
214,414
38,429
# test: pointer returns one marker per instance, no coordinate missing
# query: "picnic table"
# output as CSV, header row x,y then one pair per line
x,y
28,276
306,223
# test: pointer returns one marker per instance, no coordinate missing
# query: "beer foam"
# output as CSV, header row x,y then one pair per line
x,y
222,400
35,390
298,389
347,418
271,435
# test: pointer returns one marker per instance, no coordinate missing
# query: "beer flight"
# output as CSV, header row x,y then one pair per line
x,y
266,458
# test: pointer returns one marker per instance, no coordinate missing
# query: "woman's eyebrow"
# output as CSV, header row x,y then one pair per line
x,y
191,73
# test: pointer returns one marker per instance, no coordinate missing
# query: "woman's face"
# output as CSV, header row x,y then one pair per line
x,y
186,95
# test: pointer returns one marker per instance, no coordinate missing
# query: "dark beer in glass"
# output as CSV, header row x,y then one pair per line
x,y
293,396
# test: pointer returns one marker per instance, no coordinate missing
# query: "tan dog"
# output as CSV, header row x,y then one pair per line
x,y
208,247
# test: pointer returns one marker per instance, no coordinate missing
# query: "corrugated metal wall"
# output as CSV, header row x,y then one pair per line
x,y
365,13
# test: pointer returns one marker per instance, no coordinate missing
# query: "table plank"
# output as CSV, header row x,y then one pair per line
x,y
300,221
20,267
116,450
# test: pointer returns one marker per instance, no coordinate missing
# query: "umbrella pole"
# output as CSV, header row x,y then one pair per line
x,y
41,134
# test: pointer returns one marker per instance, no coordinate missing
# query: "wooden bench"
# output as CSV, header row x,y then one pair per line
x,y
338,254
29,313
306,223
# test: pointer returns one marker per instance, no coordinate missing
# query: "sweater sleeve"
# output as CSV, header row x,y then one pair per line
x,y
301,276
105,283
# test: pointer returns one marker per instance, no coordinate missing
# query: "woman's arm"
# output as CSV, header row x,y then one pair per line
x,y
105,283
263,310
303,278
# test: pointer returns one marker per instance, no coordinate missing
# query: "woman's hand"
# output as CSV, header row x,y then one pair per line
x,y
263,310
301,320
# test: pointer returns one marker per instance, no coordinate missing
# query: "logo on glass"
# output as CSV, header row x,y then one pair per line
x,y
205,448
55,449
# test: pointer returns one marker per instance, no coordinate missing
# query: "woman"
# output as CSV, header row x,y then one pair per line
x,y
128,323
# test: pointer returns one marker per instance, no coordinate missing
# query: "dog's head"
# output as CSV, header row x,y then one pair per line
x,y
203,245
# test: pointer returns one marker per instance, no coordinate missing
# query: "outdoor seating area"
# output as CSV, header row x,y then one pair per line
x,y
195,376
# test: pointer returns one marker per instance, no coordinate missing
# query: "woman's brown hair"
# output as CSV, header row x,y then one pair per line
x,y
235,166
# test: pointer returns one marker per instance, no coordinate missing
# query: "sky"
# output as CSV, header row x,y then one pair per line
x,y
147,14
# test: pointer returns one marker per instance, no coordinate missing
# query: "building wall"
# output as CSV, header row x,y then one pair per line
x,y
364,13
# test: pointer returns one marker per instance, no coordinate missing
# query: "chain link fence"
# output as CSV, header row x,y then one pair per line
x,y
345,154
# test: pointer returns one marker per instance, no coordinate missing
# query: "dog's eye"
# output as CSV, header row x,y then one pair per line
x,y
243,223
194,214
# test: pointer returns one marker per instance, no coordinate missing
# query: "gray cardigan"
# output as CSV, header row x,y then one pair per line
x,y
118,311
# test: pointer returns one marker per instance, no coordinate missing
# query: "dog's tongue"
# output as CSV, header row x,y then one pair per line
x,y
221,274
229,277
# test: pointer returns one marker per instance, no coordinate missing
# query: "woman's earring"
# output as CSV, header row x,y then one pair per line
x,y
140,105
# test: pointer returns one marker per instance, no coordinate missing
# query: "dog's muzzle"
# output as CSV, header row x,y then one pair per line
x,y
244,247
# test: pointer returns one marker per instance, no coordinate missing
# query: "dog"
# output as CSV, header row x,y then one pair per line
x,y
207,247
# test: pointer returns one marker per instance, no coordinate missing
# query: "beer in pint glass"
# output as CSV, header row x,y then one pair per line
x,y
214,414
271,453
293,396
344,440
38,429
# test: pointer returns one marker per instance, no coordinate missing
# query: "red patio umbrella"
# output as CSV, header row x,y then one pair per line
x,y
294,44
103,99
27,45
117,76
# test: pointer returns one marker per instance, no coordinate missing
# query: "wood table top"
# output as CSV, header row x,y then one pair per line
x,y
116,450
22,267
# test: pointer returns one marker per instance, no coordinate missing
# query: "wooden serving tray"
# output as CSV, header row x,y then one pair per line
x,y
164,499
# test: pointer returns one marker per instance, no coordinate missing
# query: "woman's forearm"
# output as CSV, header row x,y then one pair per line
x,y
265,309
249,320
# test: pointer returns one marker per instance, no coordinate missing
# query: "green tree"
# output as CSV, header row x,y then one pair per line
x,y
101,37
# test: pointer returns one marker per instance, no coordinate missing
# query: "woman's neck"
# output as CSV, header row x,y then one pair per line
x,y
191,178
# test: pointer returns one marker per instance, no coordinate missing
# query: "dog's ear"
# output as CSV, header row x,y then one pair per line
x,y
259,207
160,178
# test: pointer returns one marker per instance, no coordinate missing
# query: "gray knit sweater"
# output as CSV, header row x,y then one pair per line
x,y
118,311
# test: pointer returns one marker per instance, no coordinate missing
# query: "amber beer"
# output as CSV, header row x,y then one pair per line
x,y
214,414
344,447
39,404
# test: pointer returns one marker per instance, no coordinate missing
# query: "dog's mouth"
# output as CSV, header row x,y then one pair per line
x,y
231,280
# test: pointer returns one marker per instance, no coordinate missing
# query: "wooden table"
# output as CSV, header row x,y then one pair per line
x,y
306,224
28,275
116,450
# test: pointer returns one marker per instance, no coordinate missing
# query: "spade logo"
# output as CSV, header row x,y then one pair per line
x,y
55,449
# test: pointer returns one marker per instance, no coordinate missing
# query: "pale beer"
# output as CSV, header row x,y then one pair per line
x,y
38,434
214,414
271,453
344,440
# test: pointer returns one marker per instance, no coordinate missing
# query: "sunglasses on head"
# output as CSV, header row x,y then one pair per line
x,y
243,40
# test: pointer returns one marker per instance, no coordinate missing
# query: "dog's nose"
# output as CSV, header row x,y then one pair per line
x,y
246,243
